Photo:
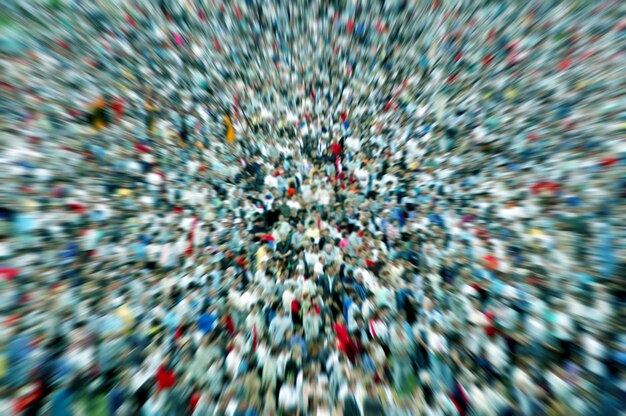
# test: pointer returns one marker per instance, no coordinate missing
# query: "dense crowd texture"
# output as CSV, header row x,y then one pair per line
x,y
312,208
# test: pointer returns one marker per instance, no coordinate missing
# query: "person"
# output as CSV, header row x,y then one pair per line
x,y
288,397
350,404
279,327
372,404
62,401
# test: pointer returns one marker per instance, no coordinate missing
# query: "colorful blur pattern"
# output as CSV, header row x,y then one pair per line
x,y
255,207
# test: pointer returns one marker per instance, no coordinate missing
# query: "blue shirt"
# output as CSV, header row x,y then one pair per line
x,y
401,296
172,320
207,322
296,340
61,403
140,251
347,302
24,223
359,290
18,348
436,219
398,214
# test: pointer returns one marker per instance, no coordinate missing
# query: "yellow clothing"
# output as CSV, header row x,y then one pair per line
x,y
312,233
3,366
124,192
126,315
260,255
230,131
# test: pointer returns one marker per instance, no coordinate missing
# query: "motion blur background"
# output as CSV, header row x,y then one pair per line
x,y
323,207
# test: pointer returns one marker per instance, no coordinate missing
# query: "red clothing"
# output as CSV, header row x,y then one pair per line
x,y
343,338
178,333
490,330
609,161
118,108
255,339
142,148
165,378
77,208
565,64
193,401
336,148
8,273
549,186
492,262
532,136
295,307
350,25
229,325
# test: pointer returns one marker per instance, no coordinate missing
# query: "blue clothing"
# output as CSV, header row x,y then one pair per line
x,y
401,296
71,250
216,278
207,322
269,315
296,340
172,320
398,214
61,403
140,251
116,400
359,289
436,219
347,302
111,324
24,223
18,349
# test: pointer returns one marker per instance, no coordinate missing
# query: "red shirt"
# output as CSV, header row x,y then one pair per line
x,y
118,107
490,330
549,186
492,262
229,325
343,338
295,307
336,148
193,401
165,378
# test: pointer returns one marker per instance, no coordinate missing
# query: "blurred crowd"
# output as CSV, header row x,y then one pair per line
x,y
349,207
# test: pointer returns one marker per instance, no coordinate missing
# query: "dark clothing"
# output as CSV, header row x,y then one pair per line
x,y
271,217
372,407
350,406
328,286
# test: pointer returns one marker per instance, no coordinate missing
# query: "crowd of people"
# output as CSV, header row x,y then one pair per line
x,y
288,208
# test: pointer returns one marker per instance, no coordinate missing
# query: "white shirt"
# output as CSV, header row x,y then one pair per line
x,y
153,251
354,144
564,326
322,196
288,397
233,359
318,269
270,181
287,299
